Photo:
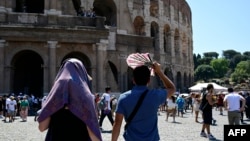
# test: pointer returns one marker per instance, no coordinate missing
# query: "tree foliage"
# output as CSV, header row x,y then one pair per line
x,y
242,71
231,66
204,72
228,54
211,54
220,67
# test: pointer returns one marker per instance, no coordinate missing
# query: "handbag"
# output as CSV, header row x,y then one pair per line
x,y
131,116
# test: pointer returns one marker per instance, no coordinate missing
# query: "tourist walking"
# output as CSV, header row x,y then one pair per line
x,y
24,107
69,109
171,107
232,105
196,105
107,110
206,107
143,127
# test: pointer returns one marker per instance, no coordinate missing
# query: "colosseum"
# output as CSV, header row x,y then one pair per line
x,y
36,36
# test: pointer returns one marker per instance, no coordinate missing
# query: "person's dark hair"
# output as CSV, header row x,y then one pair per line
x,y
141,75
108,88
173,98
210,86
230,90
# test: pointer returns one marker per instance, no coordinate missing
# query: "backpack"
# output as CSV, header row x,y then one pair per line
x,y
204,103
101,103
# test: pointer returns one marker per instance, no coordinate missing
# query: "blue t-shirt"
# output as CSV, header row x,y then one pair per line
x,y
143,126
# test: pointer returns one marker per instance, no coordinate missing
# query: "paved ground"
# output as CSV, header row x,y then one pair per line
x,y
184,129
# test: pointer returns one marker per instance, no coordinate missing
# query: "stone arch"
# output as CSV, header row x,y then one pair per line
x,y
184,45
27,73
129,78
167,39
155,35
111,75
108,9
178,81
154,9
169,73
176,41
185,81
166,6
30,6
139,25
85,60
114,71
189,80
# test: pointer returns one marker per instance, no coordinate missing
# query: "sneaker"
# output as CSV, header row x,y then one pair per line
x,y
203,134
211,137
214,121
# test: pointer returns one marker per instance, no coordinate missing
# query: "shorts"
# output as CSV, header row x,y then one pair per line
x,y
207,117
11,112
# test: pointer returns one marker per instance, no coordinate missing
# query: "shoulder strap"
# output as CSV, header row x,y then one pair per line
x,y
131,116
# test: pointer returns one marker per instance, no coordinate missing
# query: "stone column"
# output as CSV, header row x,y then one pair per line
x,y
173,60
100,70
2,81
112,38
2,11
51,62
52,11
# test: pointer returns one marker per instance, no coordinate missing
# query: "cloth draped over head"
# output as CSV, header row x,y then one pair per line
x,y
71,88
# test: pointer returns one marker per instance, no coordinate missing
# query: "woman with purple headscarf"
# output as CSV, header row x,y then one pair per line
x,y
69,109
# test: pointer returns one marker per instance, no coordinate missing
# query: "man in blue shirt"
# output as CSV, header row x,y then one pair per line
x,y
143,127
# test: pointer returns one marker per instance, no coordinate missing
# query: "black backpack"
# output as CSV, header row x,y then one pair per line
x,y
204,102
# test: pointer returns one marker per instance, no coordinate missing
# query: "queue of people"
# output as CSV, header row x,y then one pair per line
x,y
20,106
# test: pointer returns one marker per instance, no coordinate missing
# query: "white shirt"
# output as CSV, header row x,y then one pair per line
x,y
233,101
170,103
107,98
11,104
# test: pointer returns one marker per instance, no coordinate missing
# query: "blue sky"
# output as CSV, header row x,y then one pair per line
x,y
220,25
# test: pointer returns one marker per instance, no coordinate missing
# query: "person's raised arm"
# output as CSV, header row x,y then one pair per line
x,y
168,84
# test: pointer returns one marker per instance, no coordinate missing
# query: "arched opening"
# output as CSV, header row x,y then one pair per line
x,y
130,79
178,82
28,73
169,73
78,55
114,71
167,39
155,35
30,6
139,26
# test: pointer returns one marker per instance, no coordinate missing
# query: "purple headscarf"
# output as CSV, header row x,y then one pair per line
x,y
71,88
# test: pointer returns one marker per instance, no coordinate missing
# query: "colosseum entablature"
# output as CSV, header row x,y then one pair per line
x,y
51,31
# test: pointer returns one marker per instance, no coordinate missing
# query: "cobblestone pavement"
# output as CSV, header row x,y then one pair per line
x,y
183,129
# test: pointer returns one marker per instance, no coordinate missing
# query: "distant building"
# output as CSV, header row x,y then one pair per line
x,y
36,36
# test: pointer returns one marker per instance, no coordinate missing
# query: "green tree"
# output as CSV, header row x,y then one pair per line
x,y
247,53
235,60
242,71
220,67
204,72
204,60
211,54
228,54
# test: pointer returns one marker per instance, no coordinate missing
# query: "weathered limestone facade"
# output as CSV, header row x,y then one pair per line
x,y
34,44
